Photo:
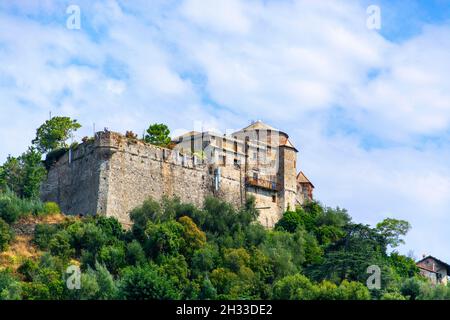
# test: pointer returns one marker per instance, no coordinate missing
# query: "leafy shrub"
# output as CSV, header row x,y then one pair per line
x,y
28,269
6,235
10,210
86,236
13,208
60,245
135,254
113,257
290,221
145,283
392,296
51,208
44,233
294,287
9,286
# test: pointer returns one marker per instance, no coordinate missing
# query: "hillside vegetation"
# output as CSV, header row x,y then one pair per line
x,y
178,251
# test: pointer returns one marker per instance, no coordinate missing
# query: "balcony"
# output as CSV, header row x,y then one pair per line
x,y
262,183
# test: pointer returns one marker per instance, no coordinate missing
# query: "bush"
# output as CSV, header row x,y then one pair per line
x,y
113,257
13,208
28,269
144,283
294,287
392,296
6,235
61,246
10,210
43,234
135,254
9,286
290,221
51,208
86,236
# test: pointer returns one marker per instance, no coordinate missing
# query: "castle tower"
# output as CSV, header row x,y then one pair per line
x,y
287,172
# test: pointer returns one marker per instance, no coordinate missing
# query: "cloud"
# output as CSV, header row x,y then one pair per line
x,y
369,115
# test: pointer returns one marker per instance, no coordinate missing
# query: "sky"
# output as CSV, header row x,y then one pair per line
x,y
368,108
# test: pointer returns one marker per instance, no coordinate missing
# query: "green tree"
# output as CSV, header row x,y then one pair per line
x,y
135,254
6,235
11,175
392,230
165,238
33,173
54,133
349,257
193,237
9,286
290,221
294,287
23,175
405,267
113,257
145,283
158,134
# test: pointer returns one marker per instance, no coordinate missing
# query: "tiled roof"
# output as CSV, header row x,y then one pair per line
x,y
301,178
446,265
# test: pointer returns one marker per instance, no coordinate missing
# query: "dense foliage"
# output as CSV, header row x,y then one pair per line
x,y
178,251
23,175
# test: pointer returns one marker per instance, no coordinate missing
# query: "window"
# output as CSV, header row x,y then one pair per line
x,y
224,160
255,176
235,146
236,162
274,198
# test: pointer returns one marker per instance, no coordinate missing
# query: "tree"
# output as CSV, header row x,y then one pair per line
x,y
54,133
23,175
145,283
33,172
405,267
158,134
9,286
294,287
194,238
165,238
11,175
290,221
392,230
349,257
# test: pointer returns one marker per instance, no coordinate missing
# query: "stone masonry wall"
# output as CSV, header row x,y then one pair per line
x,y
74,186
138,171
113,175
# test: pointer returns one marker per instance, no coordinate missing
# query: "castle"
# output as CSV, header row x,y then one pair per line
x,y
112,174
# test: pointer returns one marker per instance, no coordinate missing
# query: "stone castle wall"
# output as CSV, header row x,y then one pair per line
x,y
113,175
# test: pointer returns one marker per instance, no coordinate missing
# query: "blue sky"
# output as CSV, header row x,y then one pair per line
x,y
369,110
